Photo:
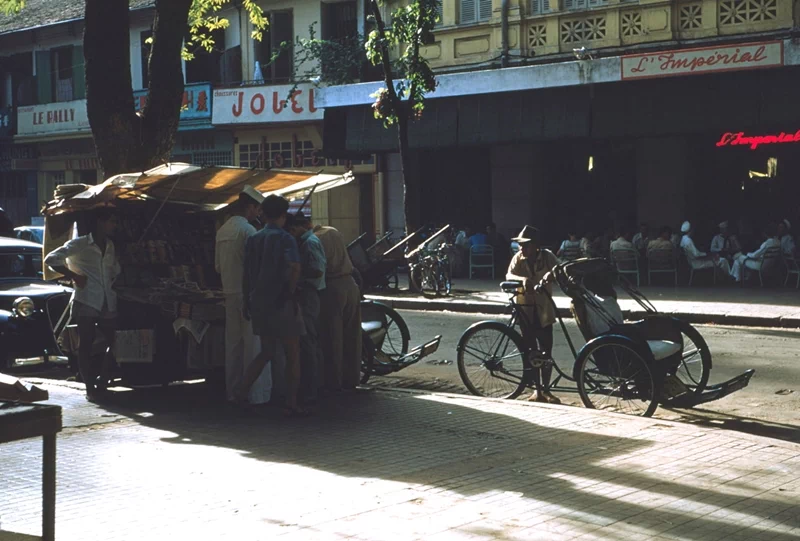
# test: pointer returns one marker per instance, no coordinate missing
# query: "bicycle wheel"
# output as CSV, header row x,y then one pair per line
x,y
613,376
695,366
395,342
490,360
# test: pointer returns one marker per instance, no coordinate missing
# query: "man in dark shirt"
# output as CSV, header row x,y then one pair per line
x,y
271,273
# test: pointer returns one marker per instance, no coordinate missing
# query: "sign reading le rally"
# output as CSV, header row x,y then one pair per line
x,y
704,60
259,104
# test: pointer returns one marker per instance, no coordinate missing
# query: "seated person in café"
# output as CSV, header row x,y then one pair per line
x,y
754,260
698,259
641,238
571,245
663,242
623,242
787,241
478,239
586,244
725,244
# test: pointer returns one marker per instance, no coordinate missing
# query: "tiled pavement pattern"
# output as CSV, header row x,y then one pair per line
x,y
375,465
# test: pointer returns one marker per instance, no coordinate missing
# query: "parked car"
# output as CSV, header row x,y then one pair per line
x,y
31,233
30,309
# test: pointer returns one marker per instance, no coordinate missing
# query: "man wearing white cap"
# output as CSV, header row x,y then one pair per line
x,y
787,241
241,347
724,244
698,259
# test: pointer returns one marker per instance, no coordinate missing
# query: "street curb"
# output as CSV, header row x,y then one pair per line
x,y
493,308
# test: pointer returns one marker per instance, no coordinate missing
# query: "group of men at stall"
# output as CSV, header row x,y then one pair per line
x,y
293,318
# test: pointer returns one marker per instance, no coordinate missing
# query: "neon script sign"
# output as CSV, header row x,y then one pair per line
x,y
755,141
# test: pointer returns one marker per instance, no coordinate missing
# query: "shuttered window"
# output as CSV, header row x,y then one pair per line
x,y
540,6
473,11
439,13
583,4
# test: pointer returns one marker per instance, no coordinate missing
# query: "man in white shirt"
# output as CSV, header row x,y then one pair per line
x,y
642,238
91,263
724,244
754,260
698,259
241,347
623,242
787,241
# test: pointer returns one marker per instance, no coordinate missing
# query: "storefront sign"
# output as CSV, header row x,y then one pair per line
x,y
52,118
703,60
196,101
262,104
755,141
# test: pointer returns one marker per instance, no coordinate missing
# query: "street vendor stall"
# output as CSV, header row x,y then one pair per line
x,y
170,303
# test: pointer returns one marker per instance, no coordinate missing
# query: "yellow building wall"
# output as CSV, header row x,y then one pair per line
x,y
618,23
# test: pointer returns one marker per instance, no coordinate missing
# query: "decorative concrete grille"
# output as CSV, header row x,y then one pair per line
x,y
632,24
691,16
589,29
732,12
537,35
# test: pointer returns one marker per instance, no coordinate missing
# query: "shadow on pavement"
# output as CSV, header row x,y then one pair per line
x,y
758,427
491,458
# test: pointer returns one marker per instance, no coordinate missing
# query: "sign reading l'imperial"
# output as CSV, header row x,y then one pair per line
x,y
259,104
767,54
69,116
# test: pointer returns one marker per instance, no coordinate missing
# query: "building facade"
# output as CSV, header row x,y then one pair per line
x,y
594,114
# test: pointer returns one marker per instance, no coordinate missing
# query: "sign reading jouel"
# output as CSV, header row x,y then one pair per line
x,y
260,104
62,117
703,60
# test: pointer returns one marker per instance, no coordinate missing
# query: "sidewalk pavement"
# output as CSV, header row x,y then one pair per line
x,y
396,465
723,305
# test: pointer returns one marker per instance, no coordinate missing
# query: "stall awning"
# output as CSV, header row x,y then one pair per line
x,y
205,187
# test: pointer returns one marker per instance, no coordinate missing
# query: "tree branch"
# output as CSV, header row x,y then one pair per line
x,y
397,104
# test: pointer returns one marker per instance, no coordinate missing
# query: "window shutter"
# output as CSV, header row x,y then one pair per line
x,y
467,14
485,10
439,13
78,73
597,2
44,74
538,6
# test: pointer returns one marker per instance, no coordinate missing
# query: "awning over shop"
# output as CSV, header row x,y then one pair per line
x,y
209,188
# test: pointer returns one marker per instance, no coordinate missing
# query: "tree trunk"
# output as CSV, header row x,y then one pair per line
x,y
127,141
109,96
411,195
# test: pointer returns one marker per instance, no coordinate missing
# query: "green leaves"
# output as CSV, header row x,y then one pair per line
x,y
11,7
411,27
204,20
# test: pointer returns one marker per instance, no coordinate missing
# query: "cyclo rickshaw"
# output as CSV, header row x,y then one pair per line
x,y
628,367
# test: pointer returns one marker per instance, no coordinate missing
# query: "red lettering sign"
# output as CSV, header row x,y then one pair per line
x,y
257,104
755,141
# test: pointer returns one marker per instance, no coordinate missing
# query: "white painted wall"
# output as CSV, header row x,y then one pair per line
x,y
304,13
136,55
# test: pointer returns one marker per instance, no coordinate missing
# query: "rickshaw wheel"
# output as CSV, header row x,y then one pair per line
x,y
490,360
395,343
611,375
695,366
367,358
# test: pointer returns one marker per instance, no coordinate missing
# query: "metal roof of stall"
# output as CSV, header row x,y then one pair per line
x,y
205,188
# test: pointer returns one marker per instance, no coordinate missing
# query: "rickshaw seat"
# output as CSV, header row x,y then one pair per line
x,y
592,325
371,326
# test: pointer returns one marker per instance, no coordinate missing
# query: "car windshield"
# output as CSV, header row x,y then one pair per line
x,y
20,266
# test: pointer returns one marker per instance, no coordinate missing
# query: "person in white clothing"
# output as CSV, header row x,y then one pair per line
x,y
724,244
754,260
698,259
623,242
91,263
241,347
642,238
787,241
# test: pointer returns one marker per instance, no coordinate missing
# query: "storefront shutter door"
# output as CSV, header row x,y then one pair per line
x,y
485,10
78,73
44,74
467,14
